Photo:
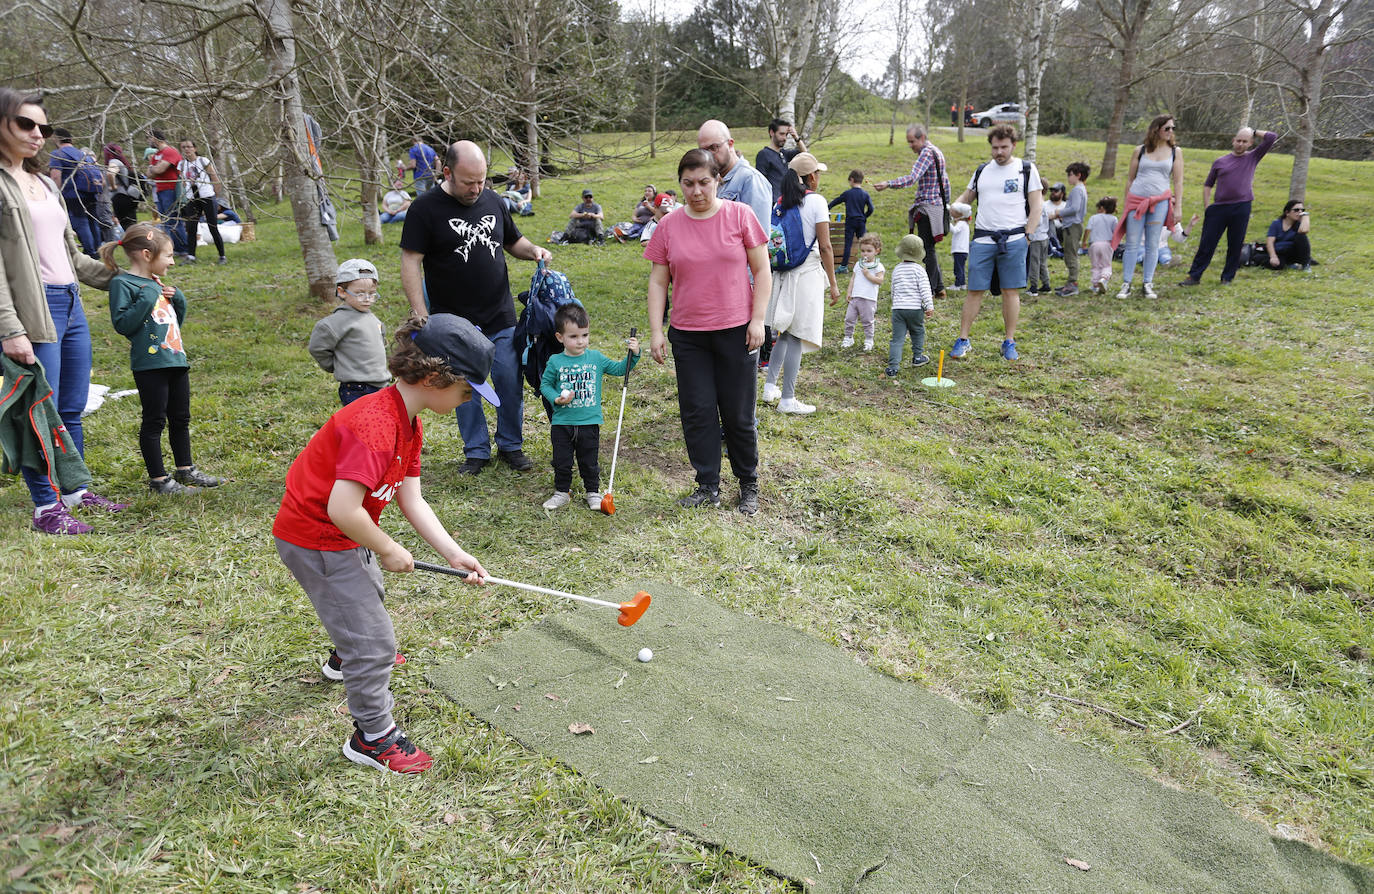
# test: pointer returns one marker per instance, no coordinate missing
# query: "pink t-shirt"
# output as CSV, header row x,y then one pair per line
x,y
50,234
709,265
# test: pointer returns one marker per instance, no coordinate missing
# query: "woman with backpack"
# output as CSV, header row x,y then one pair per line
x,y
803,264
202,185
1154,202
123,187
706,251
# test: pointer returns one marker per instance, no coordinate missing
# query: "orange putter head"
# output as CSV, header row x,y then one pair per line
x,y
631,611
608,505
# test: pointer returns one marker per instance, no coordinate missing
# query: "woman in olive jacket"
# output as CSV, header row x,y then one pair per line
x,y
41,317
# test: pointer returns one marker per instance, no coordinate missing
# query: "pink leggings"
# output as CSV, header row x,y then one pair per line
x,y
1100,254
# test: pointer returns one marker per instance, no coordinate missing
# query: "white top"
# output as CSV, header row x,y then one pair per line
x,y
861,286
1001,205
393,200
1101,227
958,237
197,176
814,210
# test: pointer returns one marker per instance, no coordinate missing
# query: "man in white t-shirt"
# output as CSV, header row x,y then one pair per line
x,y
1009,195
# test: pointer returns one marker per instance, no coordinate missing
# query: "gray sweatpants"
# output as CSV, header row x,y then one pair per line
x,y
346,589
1038,264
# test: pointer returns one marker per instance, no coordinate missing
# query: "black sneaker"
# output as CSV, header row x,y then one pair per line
x,y
170,487
194,477
516,459
392,753
473,465
333,666
702,496
749,498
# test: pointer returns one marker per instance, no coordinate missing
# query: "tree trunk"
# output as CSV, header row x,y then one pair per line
x,y
1121,95
963,104
1310,78
316,249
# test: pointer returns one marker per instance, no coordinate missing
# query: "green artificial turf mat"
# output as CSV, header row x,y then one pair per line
x,y
782,748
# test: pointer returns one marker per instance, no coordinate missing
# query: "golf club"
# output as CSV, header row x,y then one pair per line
x,y
629,611
607,499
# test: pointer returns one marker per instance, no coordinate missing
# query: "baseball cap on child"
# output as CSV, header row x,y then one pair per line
x,y
355,268
911,248
804,163
463,347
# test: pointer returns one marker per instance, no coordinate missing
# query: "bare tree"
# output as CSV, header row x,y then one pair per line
x,y
1038,24
788,35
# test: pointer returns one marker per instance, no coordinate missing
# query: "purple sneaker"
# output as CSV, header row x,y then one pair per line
x,y
91,500
58,520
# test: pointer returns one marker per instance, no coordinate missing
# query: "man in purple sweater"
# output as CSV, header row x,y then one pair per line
x,y
1228,211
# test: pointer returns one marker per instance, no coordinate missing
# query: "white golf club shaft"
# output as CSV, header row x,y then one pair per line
x,y
458,572
615,453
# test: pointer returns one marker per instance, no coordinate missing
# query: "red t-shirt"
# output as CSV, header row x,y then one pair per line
x,y
168,178
372,441
708,263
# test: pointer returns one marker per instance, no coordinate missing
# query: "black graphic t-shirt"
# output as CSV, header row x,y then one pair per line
x,y
465,266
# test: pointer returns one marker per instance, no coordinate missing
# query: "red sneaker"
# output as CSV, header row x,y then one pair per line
x,y
333,666
392,752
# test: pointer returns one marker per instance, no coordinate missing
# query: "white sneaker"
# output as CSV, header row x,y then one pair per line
x,y
868,345
1149,291
594,501
558,501
1125,291
771,393
792,405
848,342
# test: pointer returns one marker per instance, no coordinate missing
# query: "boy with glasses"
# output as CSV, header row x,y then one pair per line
x,y
349,342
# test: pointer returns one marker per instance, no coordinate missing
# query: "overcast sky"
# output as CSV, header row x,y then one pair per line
x,y
871,63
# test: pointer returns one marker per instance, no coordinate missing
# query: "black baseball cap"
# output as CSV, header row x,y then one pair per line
x,y
463,347
586,193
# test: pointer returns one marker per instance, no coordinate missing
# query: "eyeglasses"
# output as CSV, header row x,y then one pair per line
x,y
713,148
26,124
361,296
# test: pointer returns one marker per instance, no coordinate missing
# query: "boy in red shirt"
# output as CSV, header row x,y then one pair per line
x,y
367,454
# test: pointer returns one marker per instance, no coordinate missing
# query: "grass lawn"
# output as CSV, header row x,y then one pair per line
x,y
1162,510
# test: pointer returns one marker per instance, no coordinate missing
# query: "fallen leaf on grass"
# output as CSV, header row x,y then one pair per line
x,y
450,819
550,696
578,729
224,674
651,759
20,871
1077,864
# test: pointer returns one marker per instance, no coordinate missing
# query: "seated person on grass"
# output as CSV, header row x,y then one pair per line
x,y
585,223
395,203
1287,241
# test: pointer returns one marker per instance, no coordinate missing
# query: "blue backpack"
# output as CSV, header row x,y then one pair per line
x,y
534,335
787,246
90,177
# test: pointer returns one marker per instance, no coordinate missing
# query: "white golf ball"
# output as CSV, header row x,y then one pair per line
x,y
646,654
565,393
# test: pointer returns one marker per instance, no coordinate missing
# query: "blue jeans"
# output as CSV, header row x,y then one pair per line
x,y
423,184
505,378
1150,227
171,224
81,213
388,217
67,366
1231,219
1010,265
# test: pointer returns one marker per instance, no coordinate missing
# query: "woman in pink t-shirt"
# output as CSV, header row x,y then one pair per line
x,y
41,316
713,254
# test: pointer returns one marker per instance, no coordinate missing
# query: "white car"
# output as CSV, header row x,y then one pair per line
x,y
1002,113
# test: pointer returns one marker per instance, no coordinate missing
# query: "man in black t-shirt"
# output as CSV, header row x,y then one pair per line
x,y
453,261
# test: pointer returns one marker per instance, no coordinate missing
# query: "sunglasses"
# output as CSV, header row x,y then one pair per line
x,y
27,124
1170,127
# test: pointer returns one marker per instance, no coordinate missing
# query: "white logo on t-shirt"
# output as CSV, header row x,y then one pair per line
x,y
475,235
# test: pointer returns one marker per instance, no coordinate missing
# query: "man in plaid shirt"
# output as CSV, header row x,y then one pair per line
x,y
926,216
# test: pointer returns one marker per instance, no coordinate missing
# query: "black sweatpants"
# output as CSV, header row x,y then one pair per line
x,y
166,398
580,442
716,381
191,213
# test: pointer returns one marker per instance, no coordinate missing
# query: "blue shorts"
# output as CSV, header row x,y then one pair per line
x,y
1010,264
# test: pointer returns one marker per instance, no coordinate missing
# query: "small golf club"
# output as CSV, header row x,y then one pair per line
x,y
629,611
607,499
